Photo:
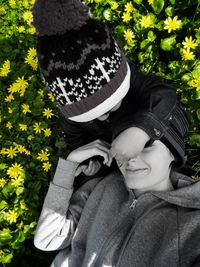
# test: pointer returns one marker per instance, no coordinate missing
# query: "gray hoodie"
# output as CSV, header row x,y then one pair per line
x,y
102,224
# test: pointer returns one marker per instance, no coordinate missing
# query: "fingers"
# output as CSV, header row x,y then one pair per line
x,y
80,169
95,148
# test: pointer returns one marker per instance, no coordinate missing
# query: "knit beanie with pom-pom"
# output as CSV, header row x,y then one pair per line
x,y
79,59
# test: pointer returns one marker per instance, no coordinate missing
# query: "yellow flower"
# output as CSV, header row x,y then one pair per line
x,y
11,152
20,225
172,24
126,17
15,170
3,151
129,7
28,17
10,111
27,152
47,113
46,166
31,58
47,132
43,156
41,92
9,125
51,97
30,137
17,182
31,30
114,5
23,127
21,29
129,35
25,108
192,83
151,2
21,149
37,127
189,43
9,98
12,3
23,205
5,69
195,83
187,55
2,10
2,182
22,85
147,21
11,216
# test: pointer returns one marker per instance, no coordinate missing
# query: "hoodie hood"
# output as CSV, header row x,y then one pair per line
x,y
186,193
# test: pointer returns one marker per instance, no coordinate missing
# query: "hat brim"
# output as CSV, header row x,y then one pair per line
x,y
108,104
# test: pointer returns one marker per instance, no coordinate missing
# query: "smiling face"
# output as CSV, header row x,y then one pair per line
x,y
149,170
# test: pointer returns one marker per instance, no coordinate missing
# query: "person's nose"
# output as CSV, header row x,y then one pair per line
x,y
133,160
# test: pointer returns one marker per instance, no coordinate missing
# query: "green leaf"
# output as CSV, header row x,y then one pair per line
x,y
158,6
144,43
3,166
138,2
194,140
19,190
7,258
172,2
169,11
151,36
5,236
168,44
3,204
108,14
186,77
198,113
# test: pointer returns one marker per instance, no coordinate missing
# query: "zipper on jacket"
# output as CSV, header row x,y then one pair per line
x,y
132,206
112,235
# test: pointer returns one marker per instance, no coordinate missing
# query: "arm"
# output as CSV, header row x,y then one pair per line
x,y
55,229
61,210
149,105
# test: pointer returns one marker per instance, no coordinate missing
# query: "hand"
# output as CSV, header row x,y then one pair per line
x,y
130,142
95,148
91,169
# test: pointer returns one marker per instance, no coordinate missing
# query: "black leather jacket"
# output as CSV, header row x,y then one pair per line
x,y
149,103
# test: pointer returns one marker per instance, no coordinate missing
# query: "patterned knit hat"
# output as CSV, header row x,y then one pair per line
x,y
175,128
79,59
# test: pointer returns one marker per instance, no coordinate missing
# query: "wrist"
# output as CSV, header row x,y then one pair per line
x,y
65,173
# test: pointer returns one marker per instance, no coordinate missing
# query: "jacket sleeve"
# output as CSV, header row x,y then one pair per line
x,y
149,105
59,217
72,132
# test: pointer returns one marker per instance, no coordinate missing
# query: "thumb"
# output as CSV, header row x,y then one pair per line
x,y
80,169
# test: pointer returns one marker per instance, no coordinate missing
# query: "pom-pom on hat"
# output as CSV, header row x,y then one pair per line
x,y
79,59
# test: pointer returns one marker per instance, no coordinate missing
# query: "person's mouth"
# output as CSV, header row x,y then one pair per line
x,y
136,171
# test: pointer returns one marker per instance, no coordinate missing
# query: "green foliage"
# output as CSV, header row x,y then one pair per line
x,y
160,36
28,135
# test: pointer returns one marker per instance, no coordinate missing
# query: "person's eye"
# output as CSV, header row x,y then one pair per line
x,y
149,143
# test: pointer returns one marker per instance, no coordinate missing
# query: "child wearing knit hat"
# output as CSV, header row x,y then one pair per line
x,y
92,80
146,216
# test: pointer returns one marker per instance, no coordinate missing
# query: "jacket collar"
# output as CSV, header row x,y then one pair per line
x,y
186,193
